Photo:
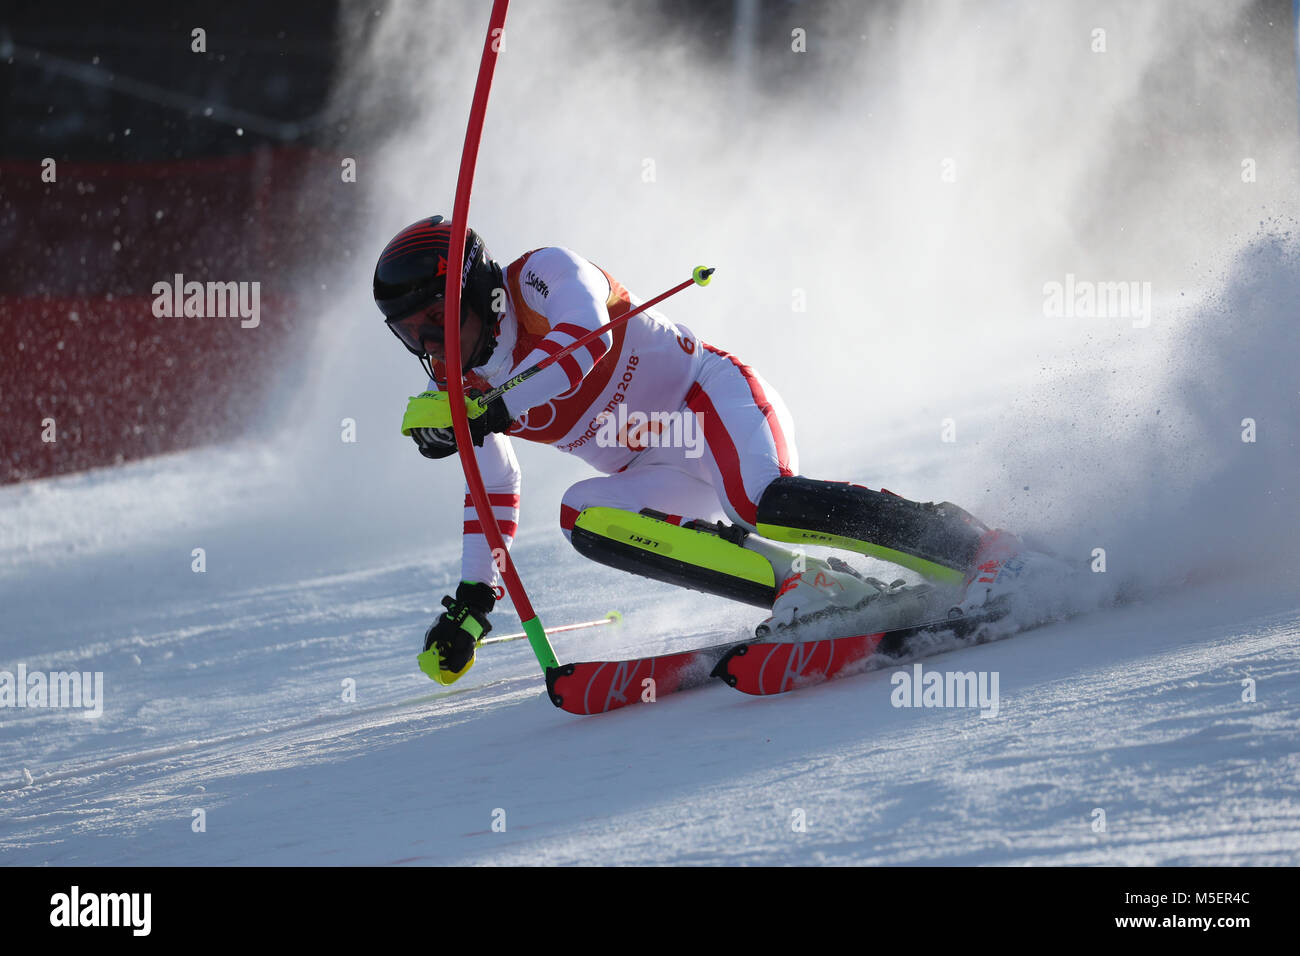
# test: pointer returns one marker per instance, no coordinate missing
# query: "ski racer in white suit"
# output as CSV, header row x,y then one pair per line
x,y
692,445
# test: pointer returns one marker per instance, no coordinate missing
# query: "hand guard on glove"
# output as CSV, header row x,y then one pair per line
x,y
429,413
434,442
450,643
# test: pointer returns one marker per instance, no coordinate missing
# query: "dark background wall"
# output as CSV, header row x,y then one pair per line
x,y
166,161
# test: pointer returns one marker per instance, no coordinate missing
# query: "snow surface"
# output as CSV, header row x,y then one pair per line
x,y
229,700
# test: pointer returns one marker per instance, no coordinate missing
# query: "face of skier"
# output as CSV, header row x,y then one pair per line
x,y
423,332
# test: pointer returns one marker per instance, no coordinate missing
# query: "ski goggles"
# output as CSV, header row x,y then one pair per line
x,y
420,330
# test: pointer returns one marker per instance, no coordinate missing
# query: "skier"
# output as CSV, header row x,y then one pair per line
x,y
685,434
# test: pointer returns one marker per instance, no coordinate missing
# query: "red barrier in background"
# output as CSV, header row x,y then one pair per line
x,y
80,342
115,383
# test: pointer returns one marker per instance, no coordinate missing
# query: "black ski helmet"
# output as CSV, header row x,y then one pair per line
x,y
411,276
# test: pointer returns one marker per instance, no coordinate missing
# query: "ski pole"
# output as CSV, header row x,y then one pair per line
x,y
699,277
613,617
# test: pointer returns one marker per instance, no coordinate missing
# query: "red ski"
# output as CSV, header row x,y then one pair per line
x,y
594,687
775,667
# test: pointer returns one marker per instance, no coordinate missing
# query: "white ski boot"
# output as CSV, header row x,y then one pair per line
x,y
1006,576
833,591
815,592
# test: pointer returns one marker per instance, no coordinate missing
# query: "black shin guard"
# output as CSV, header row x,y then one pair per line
x,y
936,540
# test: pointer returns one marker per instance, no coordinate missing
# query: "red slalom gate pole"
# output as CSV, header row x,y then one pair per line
x,y
455,383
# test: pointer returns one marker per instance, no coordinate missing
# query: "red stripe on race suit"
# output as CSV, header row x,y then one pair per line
x,y
549,423
499,500
760,399
568,517
724,453
596,347
567,362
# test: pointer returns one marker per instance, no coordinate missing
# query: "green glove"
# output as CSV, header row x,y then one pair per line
x,y
433,410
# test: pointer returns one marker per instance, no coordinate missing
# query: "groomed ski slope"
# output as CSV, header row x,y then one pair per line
x,y
1137,712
